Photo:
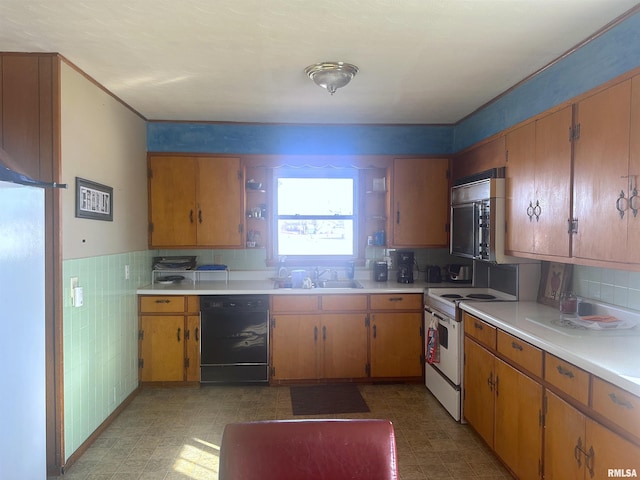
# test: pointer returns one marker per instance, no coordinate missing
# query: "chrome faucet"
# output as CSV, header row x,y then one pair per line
x,y
317,274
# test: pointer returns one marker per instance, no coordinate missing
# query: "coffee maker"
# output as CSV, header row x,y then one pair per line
x,y
405,261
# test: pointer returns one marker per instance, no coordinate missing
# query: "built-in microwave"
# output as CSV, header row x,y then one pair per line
x,y
474,218
478,218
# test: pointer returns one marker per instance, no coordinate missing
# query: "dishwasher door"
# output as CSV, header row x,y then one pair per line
x,y
234,344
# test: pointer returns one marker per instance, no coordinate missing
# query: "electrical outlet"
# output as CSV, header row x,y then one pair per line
x,y
217,259
127,274
73,285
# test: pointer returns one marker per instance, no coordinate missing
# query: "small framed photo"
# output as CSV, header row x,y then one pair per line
x,y
93,200
555,278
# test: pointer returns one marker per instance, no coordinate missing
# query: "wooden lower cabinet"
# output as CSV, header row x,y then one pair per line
x,y
518,421
344,345
520,409
396,346
169,338
505,407
319,346
346,337
308,343
577,447
162,348
294,341
479,400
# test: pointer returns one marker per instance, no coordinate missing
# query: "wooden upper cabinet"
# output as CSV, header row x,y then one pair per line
x,y
553,183
195,202
480,158
538,199
220,202
420,202
633,230
172,201
601,174
520,188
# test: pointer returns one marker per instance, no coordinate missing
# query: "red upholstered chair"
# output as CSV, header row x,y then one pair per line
x,y
309,450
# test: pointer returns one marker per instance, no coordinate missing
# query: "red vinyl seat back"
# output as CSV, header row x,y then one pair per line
x,y
309,450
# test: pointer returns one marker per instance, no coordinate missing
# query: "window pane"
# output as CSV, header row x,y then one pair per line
x,y
315,237
315,196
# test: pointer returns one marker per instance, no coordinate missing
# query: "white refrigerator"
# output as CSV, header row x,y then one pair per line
x,y
22,329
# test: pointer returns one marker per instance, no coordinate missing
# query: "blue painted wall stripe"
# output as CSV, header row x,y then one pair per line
x,y
608,56
299,139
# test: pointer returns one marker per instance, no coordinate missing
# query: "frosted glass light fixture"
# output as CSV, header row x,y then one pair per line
x,y
331,75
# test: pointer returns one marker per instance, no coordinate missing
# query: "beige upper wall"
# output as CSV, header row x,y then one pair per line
x,y
105,142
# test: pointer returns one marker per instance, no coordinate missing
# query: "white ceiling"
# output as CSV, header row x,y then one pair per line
x,y
421,61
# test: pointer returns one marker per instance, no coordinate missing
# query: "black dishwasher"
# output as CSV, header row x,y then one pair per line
x,y
234,344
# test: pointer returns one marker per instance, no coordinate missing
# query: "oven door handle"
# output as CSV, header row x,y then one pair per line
x,y
437,315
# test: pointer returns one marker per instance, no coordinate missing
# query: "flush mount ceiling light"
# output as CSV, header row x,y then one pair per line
x,y
331,75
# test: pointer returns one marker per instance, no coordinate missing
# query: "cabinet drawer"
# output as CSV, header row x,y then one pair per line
x,y
618,405
522,353
334,303
163,304
295,303
567,377
400,301
481,331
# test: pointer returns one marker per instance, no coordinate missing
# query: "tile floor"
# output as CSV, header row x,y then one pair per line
x,y
174,433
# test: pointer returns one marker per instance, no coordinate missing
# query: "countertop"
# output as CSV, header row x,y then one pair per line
x,y
266,287
612,356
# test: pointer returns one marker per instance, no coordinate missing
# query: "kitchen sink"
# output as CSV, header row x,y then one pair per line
x,y
282,283
339,284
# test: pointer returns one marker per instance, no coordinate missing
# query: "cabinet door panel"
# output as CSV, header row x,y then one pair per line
x,y
553,183
344,346
396,345
294,347
193,348
162,348
601,161
610,451
633,252
219,202
520,188
478,399
172,201
420,202
564,431
518,430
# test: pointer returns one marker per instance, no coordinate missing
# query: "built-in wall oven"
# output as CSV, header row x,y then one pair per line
x,y
234,342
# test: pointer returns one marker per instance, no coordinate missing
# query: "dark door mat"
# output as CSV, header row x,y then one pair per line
x,y
327,399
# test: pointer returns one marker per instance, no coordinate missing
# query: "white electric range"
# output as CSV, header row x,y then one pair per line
x,y
444,376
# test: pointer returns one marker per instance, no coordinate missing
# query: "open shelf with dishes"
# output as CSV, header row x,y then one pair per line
x,y
256,207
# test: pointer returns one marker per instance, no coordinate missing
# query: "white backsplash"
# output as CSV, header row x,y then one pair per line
x,y
617,287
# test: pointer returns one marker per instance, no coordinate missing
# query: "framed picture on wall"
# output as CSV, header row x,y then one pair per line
x,y
93,200
555,278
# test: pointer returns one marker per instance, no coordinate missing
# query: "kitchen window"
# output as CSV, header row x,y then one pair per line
x,y
315,213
